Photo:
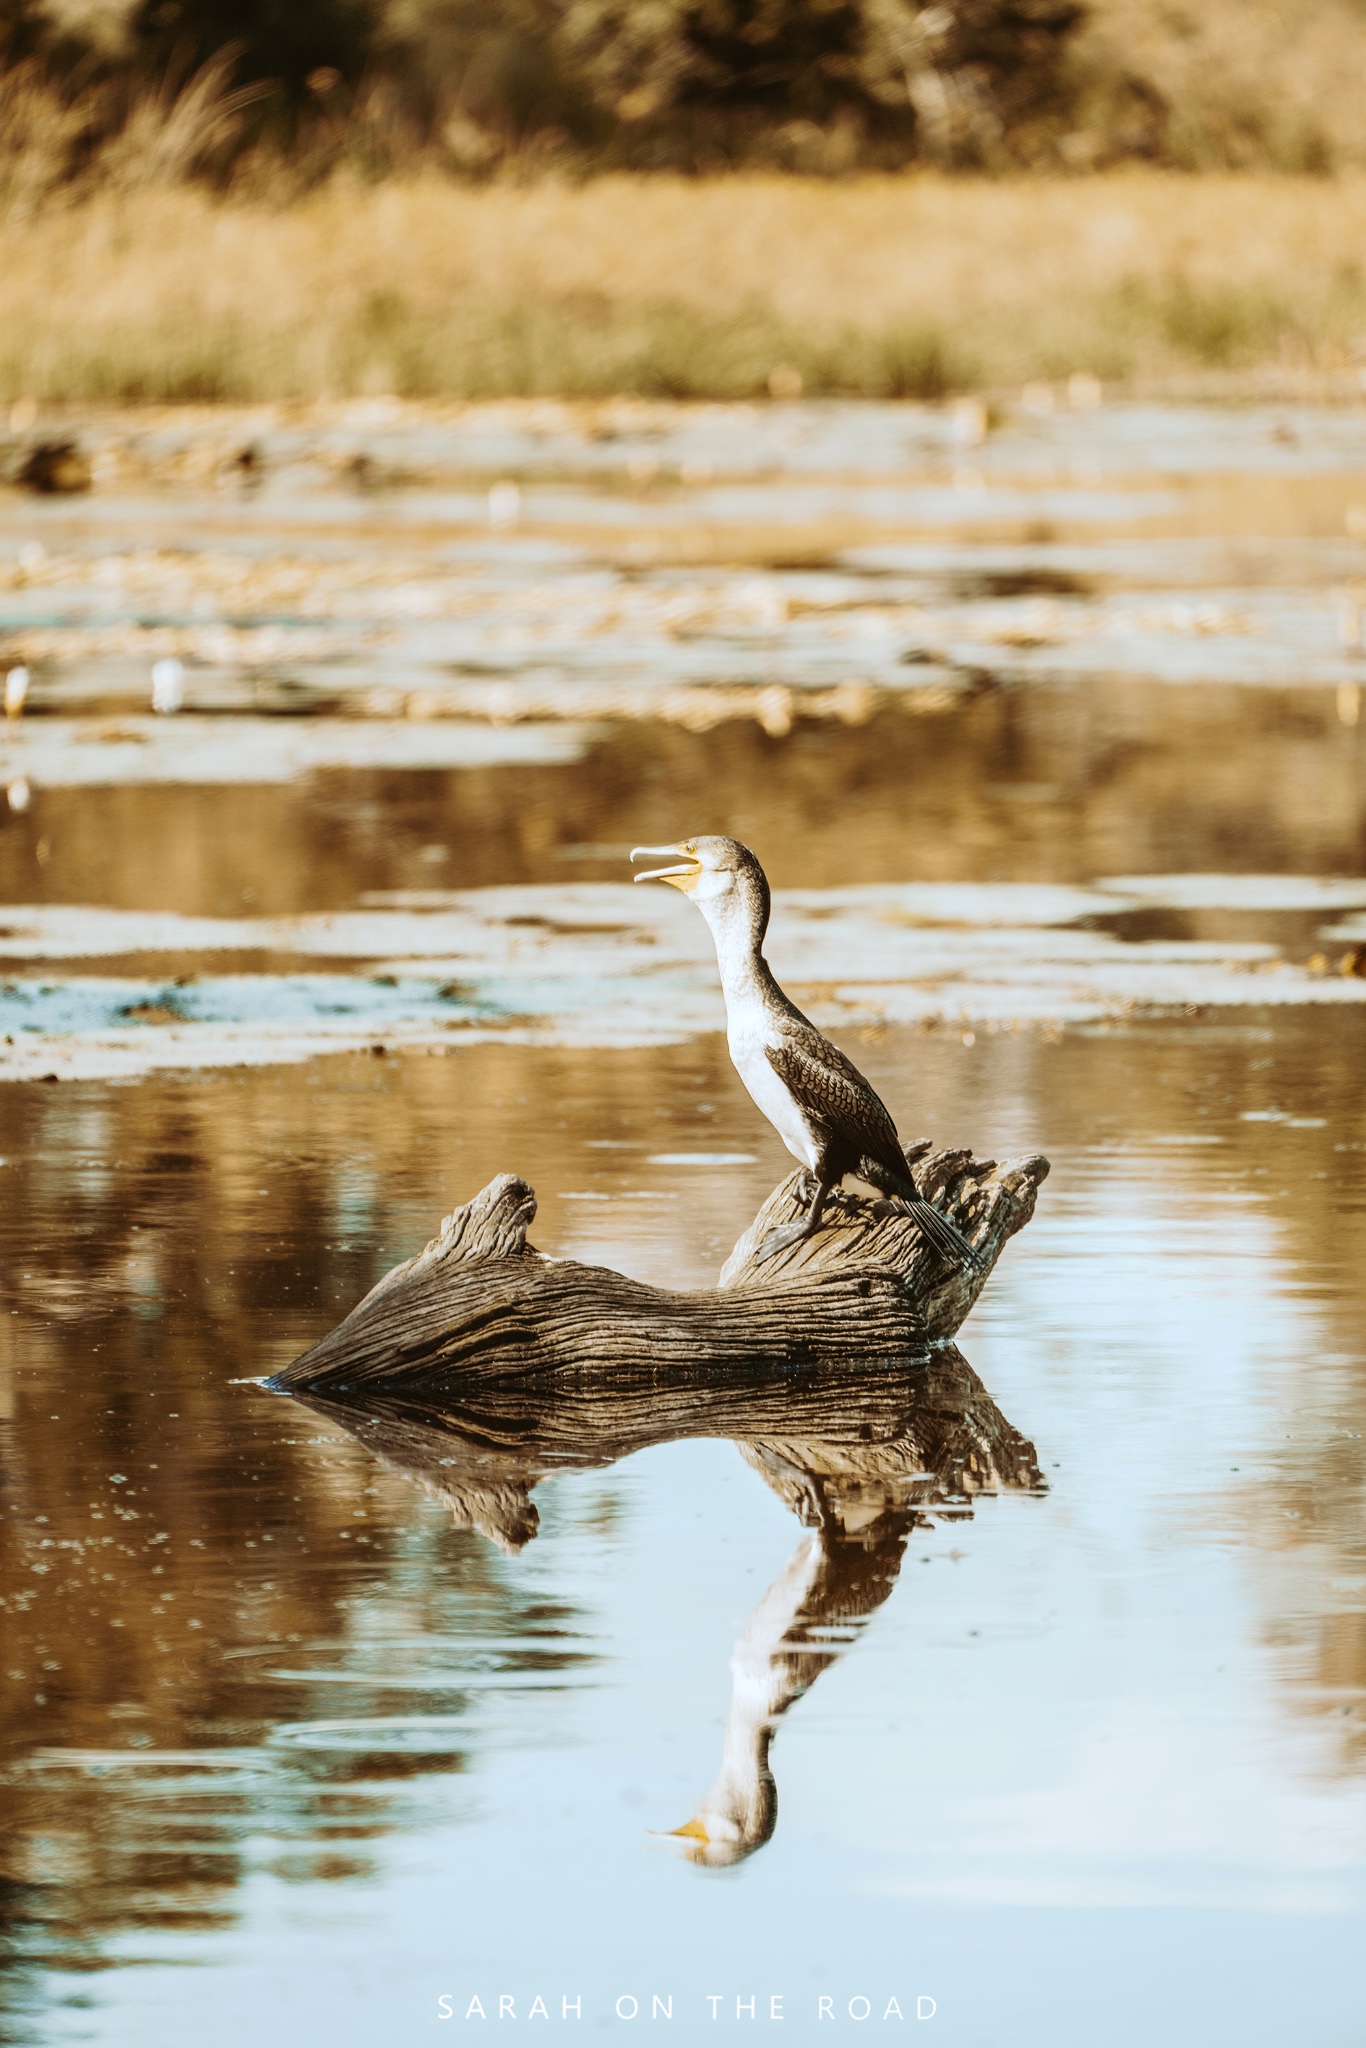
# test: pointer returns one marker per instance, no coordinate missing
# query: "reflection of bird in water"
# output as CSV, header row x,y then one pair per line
x,y
740,1812
834,1580
826,1113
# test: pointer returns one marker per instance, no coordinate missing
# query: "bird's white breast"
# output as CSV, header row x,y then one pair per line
x,y
749,1031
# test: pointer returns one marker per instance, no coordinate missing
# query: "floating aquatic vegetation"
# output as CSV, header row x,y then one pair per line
x,y
600,964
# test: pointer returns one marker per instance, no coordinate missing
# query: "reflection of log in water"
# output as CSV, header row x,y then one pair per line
x,y
841,1446
863,1456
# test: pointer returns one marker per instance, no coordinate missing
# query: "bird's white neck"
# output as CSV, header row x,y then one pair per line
x,y
744,970
737,920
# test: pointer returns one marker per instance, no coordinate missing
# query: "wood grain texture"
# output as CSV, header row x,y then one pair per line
x,y
987,1202
480,1308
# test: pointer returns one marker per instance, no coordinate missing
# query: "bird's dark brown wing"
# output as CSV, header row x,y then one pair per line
x,y
836,1097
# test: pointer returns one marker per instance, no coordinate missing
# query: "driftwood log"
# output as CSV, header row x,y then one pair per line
x,y
480,1307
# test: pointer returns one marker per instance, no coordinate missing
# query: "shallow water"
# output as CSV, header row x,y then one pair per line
x,y
309,1722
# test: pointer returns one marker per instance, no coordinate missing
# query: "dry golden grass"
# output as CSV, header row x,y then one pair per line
x,y
910,285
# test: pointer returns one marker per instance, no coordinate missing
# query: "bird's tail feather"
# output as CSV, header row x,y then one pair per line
x,y
946,1237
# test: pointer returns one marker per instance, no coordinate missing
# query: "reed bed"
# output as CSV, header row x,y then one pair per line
x,y
908,285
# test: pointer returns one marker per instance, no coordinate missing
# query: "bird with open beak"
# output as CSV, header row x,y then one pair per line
x,y
829,1117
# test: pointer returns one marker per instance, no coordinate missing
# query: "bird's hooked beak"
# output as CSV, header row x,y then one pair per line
x,y
683,877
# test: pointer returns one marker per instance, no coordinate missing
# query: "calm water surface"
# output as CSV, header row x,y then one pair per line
x,y
1040,1701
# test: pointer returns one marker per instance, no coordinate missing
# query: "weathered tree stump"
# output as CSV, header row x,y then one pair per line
x,y
481,1308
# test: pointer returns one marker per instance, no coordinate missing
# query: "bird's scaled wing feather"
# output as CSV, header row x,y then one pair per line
x,y
836,1097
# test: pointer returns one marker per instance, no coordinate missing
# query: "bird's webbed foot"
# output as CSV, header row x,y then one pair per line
x,y
805,1226
779,1240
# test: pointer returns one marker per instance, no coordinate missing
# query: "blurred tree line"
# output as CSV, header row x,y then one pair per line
x,y
815,85
283,92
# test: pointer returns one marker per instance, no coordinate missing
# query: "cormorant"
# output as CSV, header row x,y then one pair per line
x,y
825,1112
